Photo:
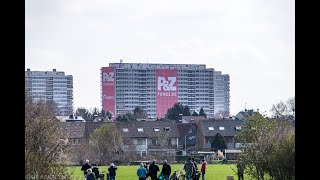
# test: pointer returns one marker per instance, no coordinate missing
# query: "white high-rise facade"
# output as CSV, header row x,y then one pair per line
x,y
156,87
51,86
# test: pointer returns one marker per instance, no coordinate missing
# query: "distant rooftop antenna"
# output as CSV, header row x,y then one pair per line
x,y
245,105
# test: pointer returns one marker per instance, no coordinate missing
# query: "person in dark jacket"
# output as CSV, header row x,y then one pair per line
x,y
112,171
95,170
85,167
240,168
90,175
189,168
153,170
166,170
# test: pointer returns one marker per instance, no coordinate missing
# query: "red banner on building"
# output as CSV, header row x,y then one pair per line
x,y
166,90
108,89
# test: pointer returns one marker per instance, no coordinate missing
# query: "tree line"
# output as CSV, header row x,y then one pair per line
x,y
137,113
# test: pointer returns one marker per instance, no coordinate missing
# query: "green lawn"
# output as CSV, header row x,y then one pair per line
x,y
214,171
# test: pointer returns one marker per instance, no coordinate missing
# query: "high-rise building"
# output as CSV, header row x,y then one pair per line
x,y
157,87
51,86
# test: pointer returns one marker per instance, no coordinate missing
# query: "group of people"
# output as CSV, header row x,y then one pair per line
x,y
192,171
92,173
144,172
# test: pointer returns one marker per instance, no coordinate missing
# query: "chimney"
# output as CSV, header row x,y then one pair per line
x,y
28,69
54,70
120,60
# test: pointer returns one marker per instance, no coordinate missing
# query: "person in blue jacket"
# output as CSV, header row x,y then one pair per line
x,y
142,172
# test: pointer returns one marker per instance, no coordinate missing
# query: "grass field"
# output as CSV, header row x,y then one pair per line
x,y
214,171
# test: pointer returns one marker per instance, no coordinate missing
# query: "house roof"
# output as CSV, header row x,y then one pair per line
x,y
73,129
92,126
229,126
148,128
195,118
70,119
187,132
246,113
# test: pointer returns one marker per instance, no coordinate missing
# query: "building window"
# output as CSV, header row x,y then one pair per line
x,y
221,128
211,128
238,128
141,142
167,129
125,129
156,129
140,129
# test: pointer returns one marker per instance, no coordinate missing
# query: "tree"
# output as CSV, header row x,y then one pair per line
x,y
45,151
126,117
291,104
195,114
218,142
267,146
105,143
139,113
109,115
186,111
103,113
283,110
95,113
202,113
84,113
177,109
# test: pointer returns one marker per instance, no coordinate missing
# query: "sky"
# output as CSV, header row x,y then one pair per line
x,y
251,40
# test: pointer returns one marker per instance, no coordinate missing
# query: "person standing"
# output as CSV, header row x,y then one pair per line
x,y
95,170
240,167
203,168
166,170
196,174
112,171
85,167
153,170
189,168
90,175
145,164
142,172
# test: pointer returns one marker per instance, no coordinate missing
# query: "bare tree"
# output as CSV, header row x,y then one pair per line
x,y
105,143
45,152
283,110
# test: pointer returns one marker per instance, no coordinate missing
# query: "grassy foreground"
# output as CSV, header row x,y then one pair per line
x,y
214,171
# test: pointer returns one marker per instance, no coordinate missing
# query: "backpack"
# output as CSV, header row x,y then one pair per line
x,y
161,177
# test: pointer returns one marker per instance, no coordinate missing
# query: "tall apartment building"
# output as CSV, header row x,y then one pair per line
x,y
51,86
157,87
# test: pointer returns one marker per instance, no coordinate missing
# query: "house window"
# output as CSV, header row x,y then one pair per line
x,y
156,129
154,141
167,128
125,130
141,142
238,128
140,129
211,128
221,128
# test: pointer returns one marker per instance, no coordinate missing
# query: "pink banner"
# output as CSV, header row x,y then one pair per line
x,y
108,94
166,90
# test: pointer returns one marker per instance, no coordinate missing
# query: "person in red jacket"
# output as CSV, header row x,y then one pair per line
x,y
203,168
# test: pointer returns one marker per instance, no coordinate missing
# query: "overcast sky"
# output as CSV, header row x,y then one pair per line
x,y
251,40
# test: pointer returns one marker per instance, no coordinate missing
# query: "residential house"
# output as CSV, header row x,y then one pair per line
x,y
74,134
242,115
150,137
226,127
